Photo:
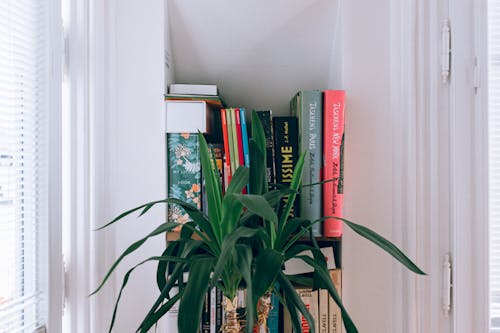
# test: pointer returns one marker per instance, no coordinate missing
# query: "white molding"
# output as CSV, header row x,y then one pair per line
x,y
88,252
420,145
469,168
53,236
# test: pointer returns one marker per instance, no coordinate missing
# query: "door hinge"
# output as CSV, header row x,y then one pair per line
x,y
447,285
445,50
476,76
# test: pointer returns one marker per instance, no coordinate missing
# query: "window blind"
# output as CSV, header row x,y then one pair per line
x,y
23,78
494,159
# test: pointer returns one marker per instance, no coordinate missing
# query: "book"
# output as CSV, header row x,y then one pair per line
x,y
192,89
239,136
188,117
213,310
205,314
286,154
232,153
333,138
173,314
273,320
334,313
295,266
323,310
184,174
310,299
214,101
219,310
307,107
227,155
265,117
235,157
244,135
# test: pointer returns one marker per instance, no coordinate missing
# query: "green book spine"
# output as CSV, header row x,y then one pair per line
x,y
307,106
234,136
184,173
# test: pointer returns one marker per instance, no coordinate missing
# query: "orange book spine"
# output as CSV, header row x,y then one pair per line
x,y
333,135
227,158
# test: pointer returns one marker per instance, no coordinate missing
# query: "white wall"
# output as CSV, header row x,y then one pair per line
x,y
136,146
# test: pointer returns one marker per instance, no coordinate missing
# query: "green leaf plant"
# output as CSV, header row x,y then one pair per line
x,y
242,243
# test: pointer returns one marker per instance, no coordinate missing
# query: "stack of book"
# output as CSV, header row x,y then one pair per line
x,y
189,109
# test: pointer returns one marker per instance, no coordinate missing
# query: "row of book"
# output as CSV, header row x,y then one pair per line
x,y
325,312
315,125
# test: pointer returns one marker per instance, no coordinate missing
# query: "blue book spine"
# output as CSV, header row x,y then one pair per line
x,y
273,319
244,137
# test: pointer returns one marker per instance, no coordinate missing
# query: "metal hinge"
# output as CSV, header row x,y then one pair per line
x,y
445,50
476,77
447,285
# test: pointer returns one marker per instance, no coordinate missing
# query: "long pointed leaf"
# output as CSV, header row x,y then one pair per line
x,y
191,304
327,281
163,228
127,276
258,205
152,319
130,211
244,263
212,185
239,180
294,185
228,245
267,266
294,299
384,244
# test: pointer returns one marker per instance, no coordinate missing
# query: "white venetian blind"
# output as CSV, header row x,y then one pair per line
x,y
494,159
23,27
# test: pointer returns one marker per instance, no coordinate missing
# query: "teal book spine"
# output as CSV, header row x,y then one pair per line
x,y
307,106
184,174
273,320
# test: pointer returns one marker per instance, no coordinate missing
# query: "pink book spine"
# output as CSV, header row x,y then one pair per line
x,y
333,132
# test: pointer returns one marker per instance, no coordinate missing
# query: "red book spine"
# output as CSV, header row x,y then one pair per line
x,y
333,132
227,159
238,135
241,156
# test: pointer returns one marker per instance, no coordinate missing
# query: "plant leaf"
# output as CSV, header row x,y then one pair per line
x,y
161,229
258,205
126,277
244,262
294,185
191,304
292,226
267,266
293,299
152,319
323,274
384,244
239,180
258,163
212,186
228,244
146,207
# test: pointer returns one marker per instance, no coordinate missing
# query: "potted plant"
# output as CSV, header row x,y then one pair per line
x,y
244,241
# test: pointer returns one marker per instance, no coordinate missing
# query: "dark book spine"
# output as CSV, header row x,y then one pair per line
x,y
219,311
286,153
205,314
265,118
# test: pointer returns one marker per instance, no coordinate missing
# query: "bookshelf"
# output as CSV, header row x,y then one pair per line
x,y
259,55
